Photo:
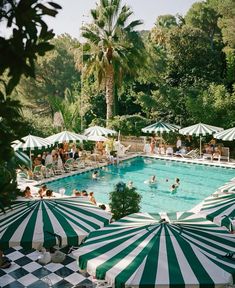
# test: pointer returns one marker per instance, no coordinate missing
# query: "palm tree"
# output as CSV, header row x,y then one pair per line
x,y
113,48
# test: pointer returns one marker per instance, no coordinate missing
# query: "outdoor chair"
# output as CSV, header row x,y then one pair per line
x,y
37,172
193,154
78,164
49,170
68,165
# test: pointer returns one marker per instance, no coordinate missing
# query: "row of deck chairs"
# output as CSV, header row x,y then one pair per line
x,y
40,171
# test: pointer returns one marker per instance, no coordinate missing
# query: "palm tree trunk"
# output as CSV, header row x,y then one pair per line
x,y
109,84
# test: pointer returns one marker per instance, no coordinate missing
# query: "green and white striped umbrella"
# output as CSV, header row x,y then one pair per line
x,y
23,158
220,209
46,222
65,136
200,129
226,135
228,188
99,131
152,250
31,143
160,127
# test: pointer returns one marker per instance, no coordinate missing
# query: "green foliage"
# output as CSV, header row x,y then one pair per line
x,y
129,124
124,201
30,35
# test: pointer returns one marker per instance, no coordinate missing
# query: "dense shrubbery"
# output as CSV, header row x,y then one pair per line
x,y
124,201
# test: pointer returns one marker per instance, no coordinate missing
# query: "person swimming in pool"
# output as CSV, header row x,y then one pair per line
x,y
152,182
173,189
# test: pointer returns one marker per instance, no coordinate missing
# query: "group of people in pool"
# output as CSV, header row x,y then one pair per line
x,y
152,182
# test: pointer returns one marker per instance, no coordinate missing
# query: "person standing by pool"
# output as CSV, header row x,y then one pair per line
x,y
152,144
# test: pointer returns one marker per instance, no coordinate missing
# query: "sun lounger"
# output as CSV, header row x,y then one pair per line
x,y
68,165
193,154
37,172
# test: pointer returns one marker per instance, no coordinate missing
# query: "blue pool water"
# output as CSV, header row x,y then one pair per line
x,y
196,182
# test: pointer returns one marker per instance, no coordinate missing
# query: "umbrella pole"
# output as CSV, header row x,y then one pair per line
x,y
200,146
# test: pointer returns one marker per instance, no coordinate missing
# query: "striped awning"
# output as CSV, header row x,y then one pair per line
x,y
99,131
226,135
23,158
160,127
220,208
228,187
30,143
200,129
167,250
46,222
65,136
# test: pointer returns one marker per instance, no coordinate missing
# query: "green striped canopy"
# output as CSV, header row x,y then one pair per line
x,y
167,250
99,131
46,222
30,143
220,209
226,135
200,129
228,187
160,127
23,158
65,136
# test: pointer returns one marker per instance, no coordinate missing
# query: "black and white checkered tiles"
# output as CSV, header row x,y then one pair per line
x,y
25,271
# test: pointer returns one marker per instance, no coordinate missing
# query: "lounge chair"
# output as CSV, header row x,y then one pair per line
x,y
49,170
37,172
68,165
193,154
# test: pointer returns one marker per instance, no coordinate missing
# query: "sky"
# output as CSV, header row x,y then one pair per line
x,y
76,12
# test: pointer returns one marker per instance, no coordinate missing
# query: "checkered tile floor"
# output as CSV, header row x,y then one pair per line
x,y
26,272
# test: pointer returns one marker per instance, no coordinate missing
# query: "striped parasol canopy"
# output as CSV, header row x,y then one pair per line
x,y
228,187
160,127
97,138
200,129
23,158
220,208
160,250
226,135
65,136
47,222
99,131
31,143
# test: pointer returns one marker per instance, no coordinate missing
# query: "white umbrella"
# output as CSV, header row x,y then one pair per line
x,y
200,129
100,131
97,138
226,135
65,136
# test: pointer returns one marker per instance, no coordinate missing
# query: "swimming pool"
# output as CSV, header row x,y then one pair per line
x,y
196,182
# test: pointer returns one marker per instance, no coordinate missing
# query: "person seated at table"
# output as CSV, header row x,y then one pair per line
x,y
217,153
169,151
208,149
100,147
161,149
213,144
27,192
92,198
